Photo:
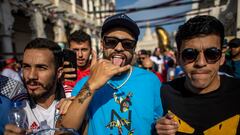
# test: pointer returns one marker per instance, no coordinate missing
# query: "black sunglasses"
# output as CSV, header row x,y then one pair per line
x,y
112,42
212,55
148,68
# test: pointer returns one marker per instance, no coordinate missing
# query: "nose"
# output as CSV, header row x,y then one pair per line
x,y
79,53
119,47
201,60
33,74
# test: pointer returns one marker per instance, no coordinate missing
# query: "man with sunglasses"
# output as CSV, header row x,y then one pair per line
x,y
234,46
116,98
203,102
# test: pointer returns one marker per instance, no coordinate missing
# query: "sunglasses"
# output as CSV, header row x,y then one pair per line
x,y
148,68
112,42
141,58
212,55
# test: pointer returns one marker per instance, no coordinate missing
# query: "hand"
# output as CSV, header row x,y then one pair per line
x,y
11,129
102,71
64,104
94,58
166,125
68,72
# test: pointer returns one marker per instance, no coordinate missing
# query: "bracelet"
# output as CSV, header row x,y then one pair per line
x,y
87,94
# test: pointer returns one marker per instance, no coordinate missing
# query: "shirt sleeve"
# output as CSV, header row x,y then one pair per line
x,y
78,86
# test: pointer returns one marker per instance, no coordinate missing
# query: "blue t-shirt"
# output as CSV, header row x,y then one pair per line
x,y
133,108
5,107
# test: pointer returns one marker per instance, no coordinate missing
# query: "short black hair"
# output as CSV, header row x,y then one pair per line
x,y
43,43
197,26
79,36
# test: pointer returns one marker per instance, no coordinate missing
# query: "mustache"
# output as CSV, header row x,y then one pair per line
x,y
33,82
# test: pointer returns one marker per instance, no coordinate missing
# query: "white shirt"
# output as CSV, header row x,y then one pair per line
x,y
159,62
41,118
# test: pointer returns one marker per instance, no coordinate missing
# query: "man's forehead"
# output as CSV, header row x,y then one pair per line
x,y
37,55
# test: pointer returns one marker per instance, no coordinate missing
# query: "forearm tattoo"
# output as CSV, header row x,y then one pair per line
x,y
84,93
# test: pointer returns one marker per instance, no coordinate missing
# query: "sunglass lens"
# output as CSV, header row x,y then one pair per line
x,y
128,44
110,42
212,55
189,55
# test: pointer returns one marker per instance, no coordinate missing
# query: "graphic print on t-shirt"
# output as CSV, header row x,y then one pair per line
x,y
116,120
226,127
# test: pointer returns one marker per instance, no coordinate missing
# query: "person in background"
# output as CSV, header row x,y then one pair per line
x,y
11,69
42,70
234,46
202,102
226,69
147,64
170,70
80,42
5,107
142,55
157,58
113,99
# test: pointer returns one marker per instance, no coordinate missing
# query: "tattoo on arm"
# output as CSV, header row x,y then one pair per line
x,y
84,93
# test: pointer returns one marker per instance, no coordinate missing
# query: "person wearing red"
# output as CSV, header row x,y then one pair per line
x,y
80,42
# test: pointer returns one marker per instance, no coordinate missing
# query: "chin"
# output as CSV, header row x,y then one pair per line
x,y
200,84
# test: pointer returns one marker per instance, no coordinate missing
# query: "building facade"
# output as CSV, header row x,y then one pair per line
x,y
227,11
24,20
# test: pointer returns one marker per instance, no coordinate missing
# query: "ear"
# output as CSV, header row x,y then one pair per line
x,y
178,58
222,59
59,72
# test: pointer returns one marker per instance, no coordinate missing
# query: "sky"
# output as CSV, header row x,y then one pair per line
x,y
150,14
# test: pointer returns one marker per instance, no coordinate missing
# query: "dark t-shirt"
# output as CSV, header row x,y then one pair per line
x,y
216,112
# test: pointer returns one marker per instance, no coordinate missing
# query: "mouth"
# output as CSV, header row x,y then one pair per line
x,y
80,60
118,60
200,74
32,87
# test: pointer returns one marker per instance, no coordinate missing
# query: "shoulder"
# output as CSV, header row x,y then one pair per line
x,y
229,82
12,88
79,85
142,72
176,85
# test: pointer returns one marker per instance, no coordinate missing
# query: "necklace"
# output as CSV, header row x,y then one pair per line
x,y
118,87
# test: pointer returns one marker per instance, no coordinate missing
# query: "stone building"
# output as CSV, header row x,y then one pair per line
x,y
23,20
149,40
227,11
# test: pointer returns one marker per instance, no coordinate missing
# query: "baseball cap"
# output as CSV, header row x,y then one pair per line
x,y
234,43
120,20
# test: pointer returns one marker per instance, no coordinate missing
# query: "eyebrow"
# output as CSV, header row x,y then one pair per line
x,y
35,65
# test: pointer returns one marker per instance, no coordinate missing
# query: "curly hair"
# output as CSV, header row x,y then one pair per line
x,y
199,26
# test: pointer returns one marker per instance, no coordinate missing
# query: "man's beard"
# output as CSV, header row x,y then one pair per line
x,y
48,89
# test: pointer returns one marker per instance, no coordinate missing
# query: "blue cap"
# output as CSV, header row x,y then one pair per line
x,y
120,20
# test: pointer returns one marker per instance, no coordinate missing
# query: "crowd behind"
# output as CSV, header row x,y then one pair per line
x,y
87,98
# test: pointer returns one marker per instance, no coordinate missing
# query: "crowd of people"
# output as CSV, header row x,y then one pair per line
x,y
191,90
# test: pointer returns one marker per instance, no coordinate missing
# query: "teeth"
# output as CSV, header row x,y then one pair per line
x,y
117,56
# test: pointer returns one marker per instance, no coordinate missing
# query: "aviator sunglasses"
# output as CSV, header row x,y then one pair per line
x,y
112,42
212,55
